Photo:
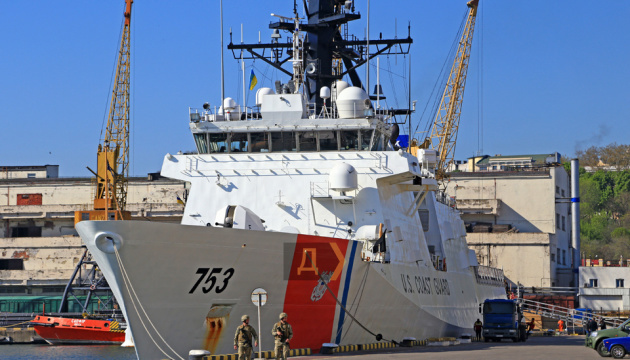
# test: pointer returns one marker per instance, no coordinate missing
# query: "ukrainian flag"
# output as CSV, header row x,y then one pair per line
x,y
179,200
252,80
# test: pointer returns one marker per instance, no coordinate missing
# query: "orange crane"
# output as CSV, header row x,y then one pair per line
x,y
446,124
113,152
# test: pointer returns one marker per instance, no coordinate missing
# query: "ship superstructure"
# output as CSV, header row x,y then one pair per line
x,y
307,196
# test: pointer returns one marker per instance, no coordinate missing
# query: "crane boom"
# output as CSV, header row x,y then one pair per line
x,y
446,124
113,152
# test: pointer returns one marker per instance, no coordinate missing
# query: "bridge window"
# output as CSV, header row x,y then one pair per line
x,y
259,142
283,141
328,141
366,137
202,143
238,142
592,283
308,141
349,140
217,143
619,283
377,141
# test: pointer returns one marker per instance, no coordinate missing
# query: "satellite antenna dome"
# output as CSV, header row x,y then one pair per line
x,y
206,106
343,177
229,103
324,92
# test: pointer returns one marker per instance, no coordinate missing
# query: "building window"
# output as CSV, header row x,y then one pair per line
x,y
592,283
619,283
557,221
563,223
30,175
553,257
564,257
557,190
562,192
11,264
26,231
558,257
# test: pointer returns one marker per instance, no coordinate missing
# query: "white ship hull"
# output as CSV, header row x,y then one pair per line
x,y
174,307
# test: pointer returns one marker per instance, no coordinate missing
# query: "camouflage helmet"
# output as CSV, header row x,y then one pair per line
x,y
283,315
244,317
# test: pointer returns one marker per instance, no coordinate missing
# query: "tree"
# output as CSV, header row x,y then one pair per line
x,y
588,157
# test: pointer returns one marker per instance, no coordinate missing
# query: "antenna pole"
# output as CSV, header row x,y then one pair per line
x,y
367,50
222,80
243,67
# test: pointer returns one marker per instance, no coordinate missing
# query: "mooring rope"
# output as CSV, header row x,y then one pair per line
x,y
378,337
132,293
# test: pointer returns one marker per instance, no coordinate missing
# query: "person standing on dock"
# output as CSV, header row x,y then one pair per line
x,y
478,327
243,339
560,325
530,326
282,333
602,324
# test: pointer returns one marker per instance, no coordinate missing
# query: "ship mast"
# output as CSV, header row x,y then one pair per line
x,y
322,44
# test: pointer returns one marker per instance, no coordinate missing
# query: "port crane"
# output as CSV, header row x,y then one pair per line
x,y
446,124
111,177
112,168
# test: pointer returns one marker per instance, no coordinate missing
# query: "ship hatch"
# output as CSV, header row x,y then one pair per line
x,y
215,324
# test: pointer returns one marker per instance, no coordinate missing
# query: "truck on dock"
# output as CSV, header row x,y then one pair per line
x,y
503,319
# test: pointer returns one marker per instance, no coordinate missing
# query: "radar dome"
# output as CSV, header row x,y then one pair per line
x,y
340,85
343,177
352,103
262,92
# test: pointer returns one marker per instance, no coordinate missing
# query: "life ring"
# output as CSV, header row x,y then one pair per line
x,y
92,287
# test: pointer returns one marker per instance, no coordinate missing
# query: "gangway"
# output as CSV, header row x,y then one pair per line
x,y
572,317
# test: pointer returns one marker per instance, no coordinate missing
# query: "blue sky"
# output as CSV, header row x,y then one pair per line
x,y
554,73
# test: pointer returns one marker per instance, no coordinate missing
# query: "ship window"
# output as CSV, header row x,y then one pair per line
x,y
328,141
619,283
349,140
217,143
308,141
283,141
366,136
259,142
238,142
377,141
202,143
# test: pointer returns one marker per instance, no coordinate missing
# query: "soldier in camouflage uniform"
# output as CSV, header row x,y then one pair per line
x,y
243,339
282,333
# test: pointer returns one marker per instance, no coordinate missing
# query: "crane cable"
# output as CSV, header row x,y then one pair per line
x,y
441,80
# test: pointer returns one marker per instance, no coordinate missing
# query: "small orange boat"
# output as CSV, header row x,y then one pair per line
x,y
78,331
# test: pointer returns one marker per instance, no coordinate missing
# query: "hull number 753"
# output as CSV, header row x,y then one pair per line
x,y
211,279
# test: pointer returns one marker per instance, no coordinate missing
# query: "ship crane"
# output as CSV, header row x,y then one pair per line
x,y
445,126
111,179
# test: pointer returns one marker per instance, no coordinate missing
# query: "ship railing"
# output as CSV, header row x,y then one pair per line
x,y
217,114
488,275
573,318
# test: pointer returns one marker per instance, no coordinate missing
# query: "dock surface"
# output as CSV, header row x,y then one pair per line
x,y
547,347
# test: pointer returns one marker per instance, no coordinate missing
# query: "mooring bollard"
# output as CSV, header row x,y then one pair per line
x,y
198,354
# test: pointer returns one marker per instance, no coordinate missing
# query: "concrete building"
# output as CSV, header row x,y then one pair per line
x,y
40,247
517,213
603,285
